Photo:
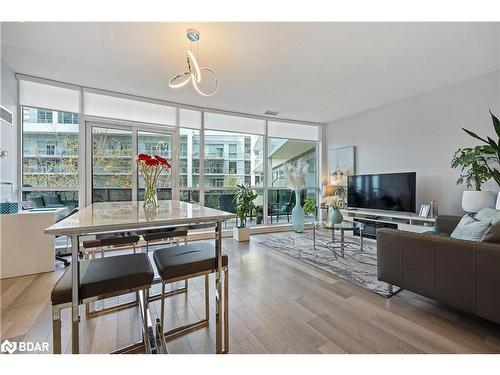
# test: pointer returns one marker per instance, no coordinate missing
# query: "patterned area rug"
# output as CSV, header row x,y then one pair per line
x,y
358,267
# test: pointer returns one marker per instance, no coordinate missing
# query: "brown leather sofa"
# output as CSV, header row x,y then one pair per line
x,y
463,274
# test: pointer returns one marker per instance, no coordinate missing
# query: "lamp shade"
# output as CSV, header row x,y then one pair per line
x,y
327,190
474,201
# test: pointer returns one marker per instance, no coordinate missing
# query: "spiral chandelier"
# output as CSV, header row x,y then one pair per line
x,y
194,72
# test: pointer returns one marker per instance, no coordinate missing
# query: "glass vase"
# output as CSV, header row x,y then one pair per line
x,y
150,196
298,214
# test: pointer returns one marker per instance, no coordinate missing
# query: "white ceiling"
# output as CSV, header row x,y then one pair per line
x,y
307,71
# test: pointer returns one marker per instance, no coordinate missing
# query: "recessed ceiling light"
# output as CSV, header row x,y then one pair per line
x,y
271,113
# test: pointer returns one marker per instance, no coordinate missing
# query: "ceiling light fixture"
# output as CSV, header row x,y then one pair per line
x,y
194,71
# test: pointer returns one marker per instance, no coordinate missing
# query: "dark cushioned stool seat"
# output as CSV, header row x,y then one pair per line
x,y
105,275
177,261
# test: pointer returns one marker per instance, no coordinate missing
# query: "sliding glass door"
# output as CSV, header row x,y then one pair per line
x,y
156,144
113,152
112,168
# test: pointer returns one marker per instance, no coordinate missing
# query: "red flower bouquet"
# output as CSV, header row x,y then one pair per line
x,y
151,167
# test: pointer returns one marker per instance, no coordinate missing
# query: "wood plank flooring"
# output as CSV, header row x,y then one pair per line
x,y
277,305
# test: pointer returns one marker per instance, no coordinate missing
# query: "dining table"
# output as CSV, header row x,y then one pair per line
x,y
132,216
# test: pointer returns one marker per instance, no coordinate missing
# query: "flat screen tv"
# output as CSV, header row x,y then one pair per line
x,y
390,191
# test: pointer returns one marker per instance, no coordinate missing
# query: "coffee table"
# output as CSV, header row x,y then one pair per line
x,y
342,227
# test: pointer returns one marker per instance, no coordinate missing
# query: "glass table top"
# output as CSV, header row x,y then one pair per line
x,y
348,225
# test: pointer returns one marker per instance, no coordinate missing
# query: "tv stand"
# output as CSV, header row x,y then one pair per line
x,y
374,220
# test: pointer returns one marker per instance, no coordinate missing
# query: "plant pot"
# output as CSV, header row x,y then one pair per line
x,y
498,202
241,234
474,201
335,216
298,215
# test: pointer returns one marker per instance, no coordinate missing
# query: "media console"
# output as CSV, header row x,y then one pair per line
x,y
375,220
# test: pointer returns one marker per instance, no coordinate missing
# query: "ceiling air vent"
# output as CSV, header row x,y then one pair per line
x,y
6,116
271,113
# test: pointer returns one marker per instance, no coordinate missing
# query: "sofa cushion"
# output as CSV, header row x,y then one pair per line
x,y
493,234
488,214
471,229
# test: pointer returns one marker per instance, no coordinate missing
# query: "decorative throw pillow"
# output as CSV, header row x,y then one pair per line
x,y
493,234
488,214
470,229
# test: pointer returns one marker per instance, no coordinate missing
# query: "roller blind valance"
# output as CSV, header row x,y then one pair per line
x,y
217,121
39,95
189,118
293,131
127,109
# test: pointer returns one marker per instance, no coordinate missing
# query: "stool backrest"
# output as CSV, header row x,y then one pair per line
x,y
115,241
165,234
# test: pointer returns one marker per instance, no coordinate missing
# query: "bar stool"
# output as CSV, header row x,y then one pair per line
x,y
103,278
169,237
104,244
188,261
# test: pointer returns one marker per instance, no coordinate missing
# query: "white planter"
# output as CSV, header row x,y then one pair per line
x,y
241,234
474,201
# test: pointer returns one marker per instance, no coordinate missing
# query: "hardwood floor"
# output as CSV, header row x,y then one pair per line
x,y
277,305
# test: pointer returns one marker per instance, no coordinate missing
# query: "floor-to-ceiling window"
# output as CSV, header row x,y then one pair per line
x,y
189,155
232,149
285,154
291,147
50,144
211,152
111,165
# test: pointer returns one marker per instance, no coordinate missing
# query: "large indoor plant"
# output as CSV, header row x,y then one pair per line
x,y
490,151
296,180
481,163
243,205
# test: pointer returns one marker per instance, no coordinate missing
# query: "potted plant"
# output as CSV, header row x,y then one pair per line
x,y
479,164
243,205
309,206
491,150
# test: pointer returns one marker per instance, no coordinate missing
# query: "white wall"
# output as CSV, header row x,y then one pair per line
x,y
8,134
421,134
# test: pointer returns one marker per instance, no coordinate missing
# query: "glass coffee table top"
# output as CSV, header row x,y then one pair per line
x,y
342,242
347,225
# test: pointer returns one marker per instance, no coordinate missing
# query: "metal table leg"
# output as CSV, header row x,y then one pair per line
x,y
342,244
218,287
361,238
314,237
75,283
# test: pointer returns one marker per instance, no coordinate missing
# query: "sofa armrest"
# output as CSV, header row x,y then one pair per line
x,y
446,224
389,265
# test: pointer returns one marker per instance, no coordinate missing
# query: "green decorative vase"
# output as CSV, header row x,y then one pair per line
x,y
298,214
335,216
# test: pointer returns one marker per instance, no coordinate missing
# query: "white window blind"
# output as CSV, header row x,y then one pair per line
x,y
293,131
216,121
126,109
189,119
39,95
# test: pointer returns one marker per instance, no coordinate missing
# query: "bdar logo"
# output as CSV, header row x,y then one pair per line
x,y
8,347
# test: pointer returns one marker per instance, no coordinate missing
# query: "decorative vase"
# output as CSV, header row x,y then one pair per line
x,y
335,216
150,195
298,214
